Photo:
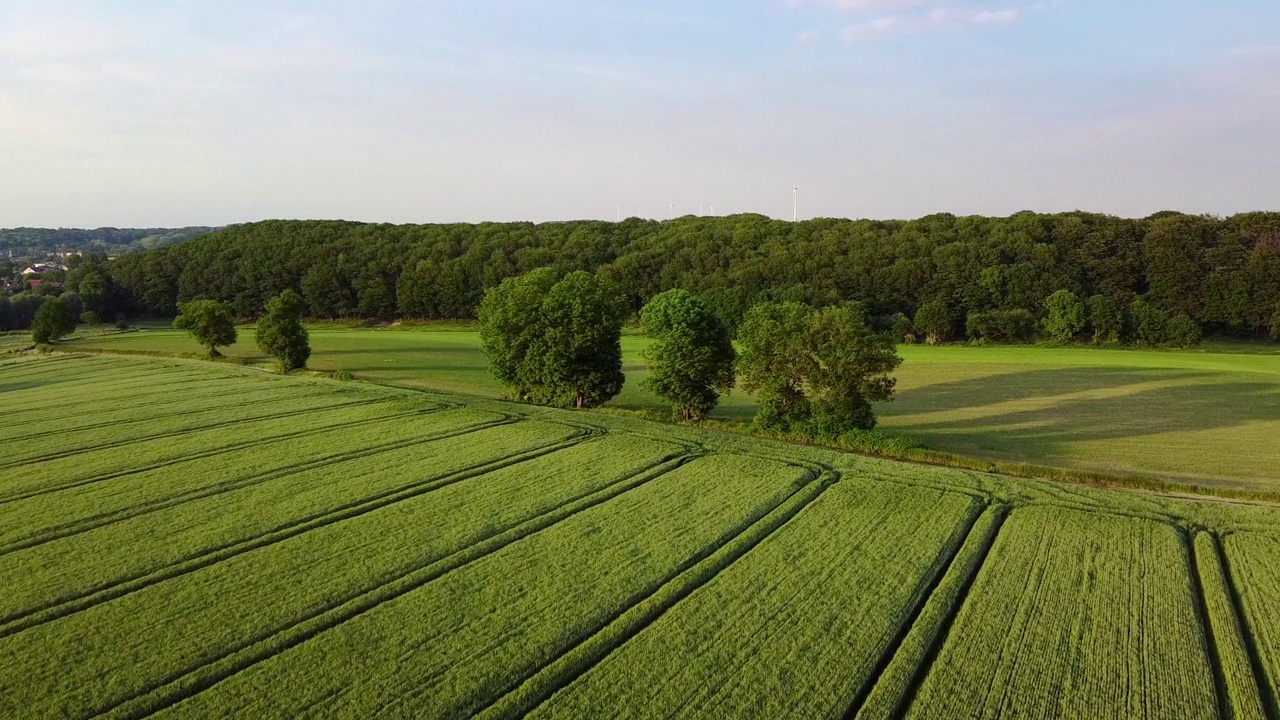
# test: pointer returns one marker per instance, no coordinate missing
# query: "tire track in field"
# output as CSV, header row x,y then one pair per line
x,y
523,696
156,396
82,526
183,684
940,570
186,431
1200,606
940,634
17,622
212,452
1265,688
40,366
89,382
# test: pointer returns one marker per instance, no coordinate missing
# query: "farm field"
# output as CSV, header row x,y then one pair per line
x,y
1207,417
186,540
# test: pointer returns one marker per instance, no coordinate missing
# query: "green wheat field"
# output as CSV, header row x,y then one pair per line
x,y
192,540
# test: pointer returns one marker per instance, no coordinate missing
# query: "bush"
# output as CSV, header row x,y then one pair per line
x,y
90,317
1182,331
122,322
1066,317
1106,318
1275,324
935,321
1150,323
902,329
53,320
1002,325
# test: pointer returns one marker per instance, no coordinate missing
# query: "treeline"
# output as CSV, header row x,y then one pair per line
x,y
979,273
105,239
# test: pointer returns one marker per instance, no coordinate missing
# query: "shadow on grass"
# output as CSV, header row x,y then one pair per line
x,y
1188,407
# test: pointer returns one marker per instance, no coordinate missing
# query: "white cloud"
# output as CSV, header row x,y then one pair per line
x,y
871,29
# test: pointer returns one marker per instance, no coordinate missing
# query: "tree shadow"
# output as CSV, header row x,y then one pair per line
x,y
1050,429
28,385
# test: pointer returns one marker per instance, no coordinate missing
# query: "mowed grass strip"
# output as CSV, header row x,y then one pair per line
x,y
895,685
453,646
69,567
206,615
794,627
1253,570
1079,615
228,412
1243,700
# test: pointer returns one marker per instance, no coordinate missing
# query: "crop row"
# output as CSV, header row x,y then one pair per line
x,y
1238,695
1252,561
1071,616
795,627
218,612
133,546
454,645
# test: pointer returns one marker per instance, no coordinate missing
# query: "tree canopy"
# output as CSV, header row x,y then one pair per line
x,y
815,370
55,318
280,333
209,322
555,341
691,358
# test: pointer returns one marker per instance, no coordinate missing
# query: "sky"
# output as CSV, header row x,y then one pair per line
x,y
134,113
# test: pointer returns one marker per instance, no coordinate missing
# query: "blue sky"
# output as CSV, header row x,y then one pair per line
x,y
146,113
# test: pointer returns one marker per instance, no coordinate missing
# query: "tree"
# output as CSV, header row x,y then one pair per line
x,y
555,341
935,320
1182,331
772,337
691,358
1066,316
1002,325
1106,318
903,330
280,332
816,371
53,320
209,322
1275,324
1150,323
6,314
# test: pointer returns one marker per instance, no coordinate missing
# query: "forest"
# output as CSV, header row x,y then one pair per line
x,y
972,276
104,239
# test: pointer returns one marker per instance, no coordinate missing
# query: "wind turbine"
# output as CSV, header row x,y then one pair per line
x,y
795,204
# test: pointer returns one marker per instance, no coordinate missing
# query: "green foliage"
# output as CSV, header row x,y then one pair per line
x,y
1182,331
280,333
1066,319
55,318
816,369
1002,325
1106,318
555,341
1150,323
89,317
6,314
691,359
902,329
209,322
936,321
1275,324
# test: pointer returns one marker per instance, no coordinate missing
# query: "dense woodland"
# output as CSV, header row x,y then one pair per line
x,y
105,239
968,273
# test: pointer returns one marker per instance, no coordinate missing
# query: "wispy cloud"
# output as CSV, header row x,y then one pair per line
x,y
884,18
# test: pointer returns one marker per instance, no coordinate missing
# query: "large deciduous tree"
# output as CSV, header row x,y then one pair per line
x,y
816,371
555,341
691,357
280,332
209,322
54,319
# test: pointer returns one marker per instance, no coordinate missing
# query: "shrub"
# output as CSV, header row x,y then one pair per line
x,y
1106,318
902,329
1066,316
1002,325
935,320
1182,331
1150,323
90,317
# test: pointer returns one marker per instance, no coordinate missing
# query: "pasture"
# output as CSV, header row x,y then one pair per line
x,y
1206,416
185,539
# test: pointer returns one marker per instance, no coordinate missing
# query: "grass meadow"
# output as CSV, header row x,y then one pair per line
x,y
1206,416
184,539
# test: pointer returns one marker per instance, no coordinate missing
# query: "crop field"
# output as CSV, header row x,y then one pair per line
x,y
1206,416
183,539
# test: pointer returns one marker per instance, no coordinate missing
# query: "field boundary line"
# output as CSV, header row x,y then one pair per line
x,y
95,522
26,495
524,696
181,686
1265,689
178,433
17,622
946,564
